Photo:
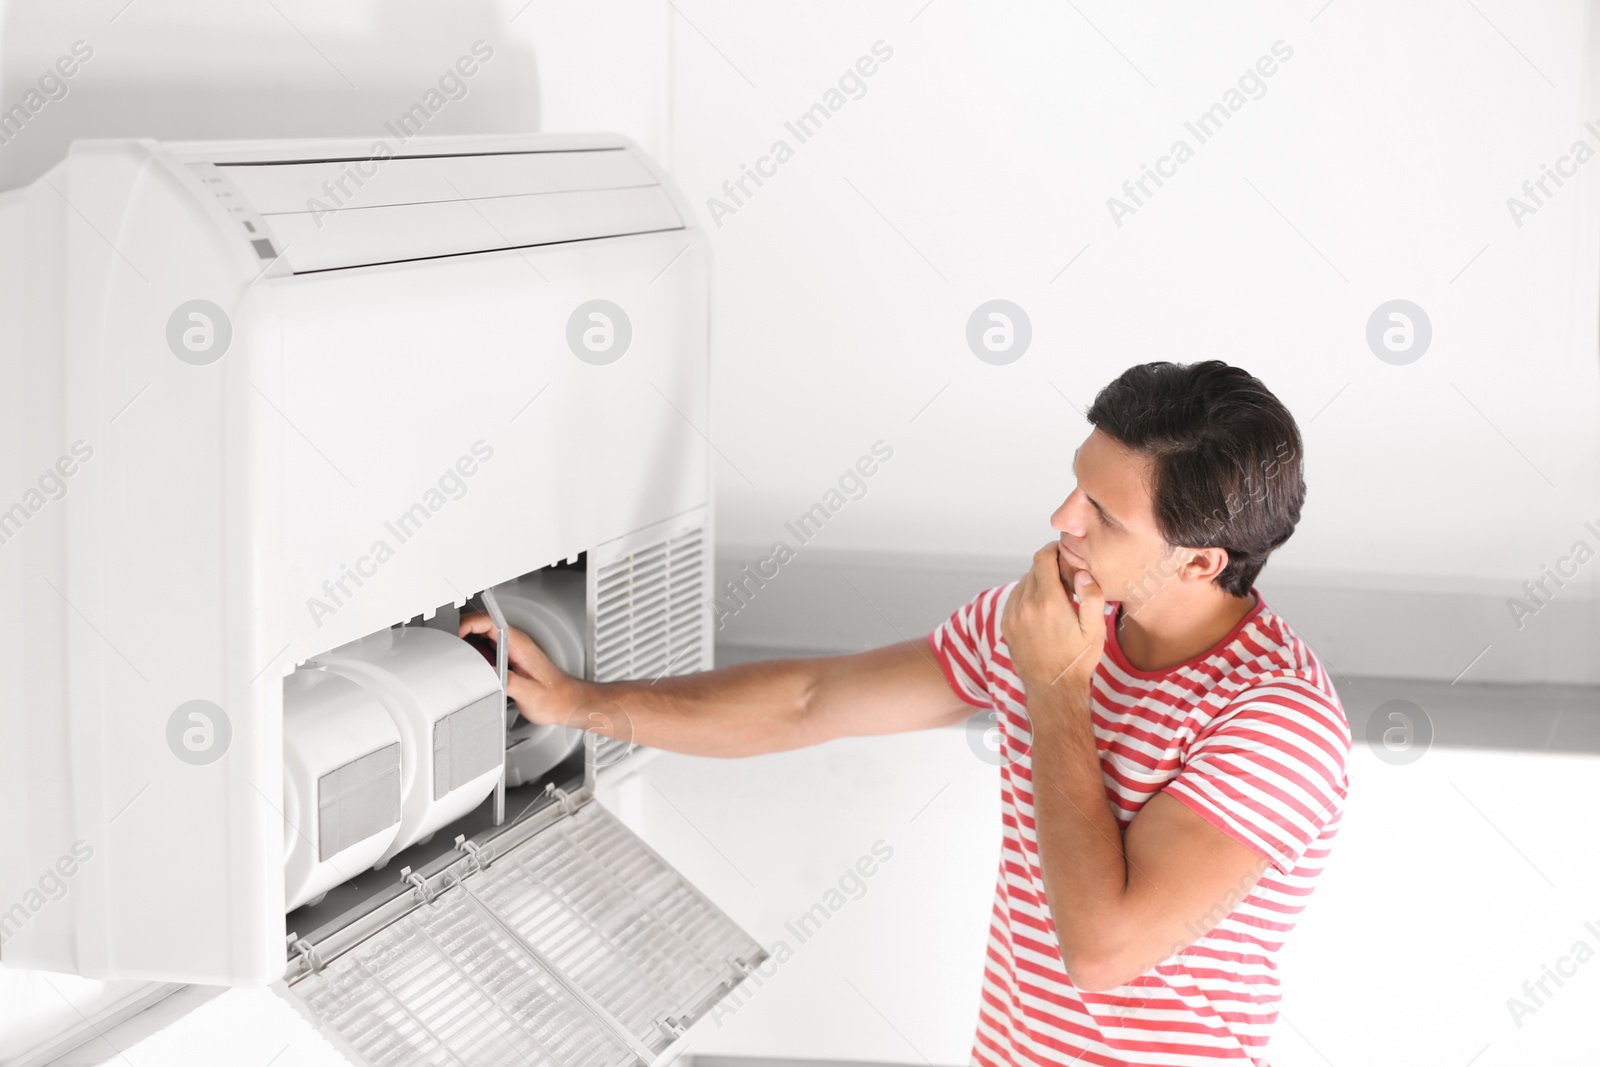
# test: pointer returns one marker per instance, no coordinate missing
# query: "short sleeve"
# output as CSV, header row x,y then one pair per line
x,y
964,645
1269,771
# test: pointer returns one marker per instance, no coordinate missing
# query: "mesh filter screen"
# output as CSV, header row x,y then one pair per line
x,y
444,987
357,800
574,947
466,743
611,914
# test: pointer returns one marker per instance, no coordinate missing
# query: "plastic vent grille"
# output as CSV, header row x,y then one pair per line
x,y
651,617
650,609
486,973
443,987
614,917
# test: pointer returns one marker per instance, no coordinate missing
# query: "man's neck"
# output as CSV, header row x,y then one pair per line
x,y
1159,635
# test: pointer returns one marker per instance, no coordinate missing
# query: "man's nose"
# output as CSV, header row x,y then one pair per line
x,y
1067,517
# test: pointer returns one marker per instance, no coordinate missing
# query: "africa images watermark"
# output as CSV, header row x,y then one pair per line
x,y
451,485
850,886
53,884
1536,192
1399,732
51,86
1252,85
52,486
1537,592
852,485
1536,992
806,126
452,85
1201,925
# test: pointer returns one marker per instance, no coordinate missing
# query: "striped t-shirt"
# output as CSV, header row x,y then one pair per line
x,y
1250,735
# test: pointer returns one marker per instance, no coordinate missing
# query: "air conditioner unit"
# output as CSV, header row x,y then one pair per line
x,y
274,414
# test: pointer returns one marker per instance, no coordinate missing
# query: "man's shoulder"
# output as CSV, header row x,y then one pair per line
x,y
1290,651
982,612
1284,670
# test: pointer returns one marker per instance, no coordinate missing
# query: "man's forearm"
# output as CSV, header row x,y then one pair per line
x,y
1081,849
735,711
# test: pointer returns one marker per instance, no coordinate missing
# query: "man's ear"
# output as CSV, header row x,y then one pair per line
x,y
1206,564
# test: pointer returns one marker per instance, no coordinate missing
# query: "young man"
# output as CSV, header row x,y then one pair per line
x,y
1173,762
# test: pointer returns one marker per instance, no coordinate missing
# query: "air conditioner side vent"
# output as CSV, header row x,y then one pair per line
x,y
650,597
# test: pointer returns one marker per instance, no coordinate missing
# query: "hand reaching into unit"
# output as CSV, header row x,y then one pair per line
x,y
544,694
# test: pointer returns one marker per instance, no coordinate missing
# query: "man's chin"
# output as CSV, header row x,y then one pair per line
x,y
1068,571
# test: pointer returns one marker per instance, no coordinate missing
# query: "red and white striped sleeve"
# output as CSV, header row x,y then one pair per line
x,y
1269,770
964,643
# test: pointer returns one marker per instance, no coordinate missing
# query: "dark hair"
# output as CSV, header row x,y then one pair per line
x,y
1227,470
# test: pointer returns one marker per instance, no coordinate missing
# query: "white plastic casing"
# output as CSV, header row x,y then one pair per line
x,y
202,511
329,724
423,677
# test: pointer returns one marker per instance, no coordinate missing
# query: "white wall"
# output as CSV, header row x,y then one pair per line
x,y
603,65
1377,165
182,70
190,70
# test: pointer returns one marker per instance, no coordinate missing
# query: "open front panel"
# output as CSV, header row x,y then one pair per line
x,y
625,926
579,945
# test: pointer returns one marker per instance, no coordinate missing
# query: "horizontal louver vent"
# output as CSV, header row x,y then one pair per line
x,y
334,214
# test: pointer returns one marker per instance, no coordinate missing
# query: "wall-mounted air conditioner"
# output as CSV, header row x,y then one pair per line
x,y
274,414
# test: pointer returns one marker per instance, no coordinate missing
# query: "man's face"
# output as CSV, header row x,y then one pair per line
x,y
1108,525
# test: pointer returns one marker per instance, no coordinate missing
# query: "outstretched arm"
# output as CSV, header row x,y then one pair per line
x,y
740,711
